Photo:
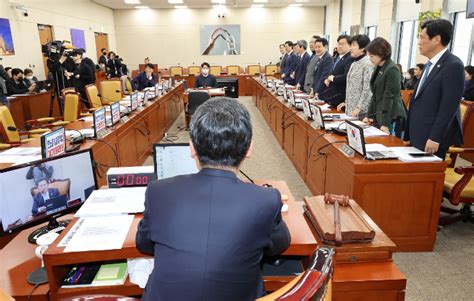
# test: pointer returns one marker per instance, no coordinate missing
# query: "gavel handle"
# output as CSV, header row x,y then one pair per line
x,y
337,224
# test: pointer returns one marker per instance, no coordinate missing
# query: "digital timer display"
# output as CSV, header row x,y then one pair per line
x,y
130,180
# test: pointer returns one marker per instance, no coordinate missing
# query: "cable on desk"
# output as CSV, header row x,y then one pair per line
x,y
32,291
326,145
314,142
100,165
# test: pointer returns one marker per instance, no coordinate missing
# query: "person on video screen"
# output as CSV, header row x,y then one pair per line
x,y
40,171
44,193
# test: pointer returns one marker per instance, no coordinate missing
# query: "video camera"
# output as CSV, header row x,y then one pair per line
x,y
55,49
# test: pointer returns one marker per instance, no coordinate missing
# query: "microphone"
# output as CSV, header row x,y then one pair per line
x,y
77,140
343,132
12,128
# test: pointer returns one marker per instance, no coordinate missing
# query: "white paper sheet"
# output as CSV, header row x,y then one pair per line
x,y
106,202
403,154
139,270
22,151
325,107
100,233
16,160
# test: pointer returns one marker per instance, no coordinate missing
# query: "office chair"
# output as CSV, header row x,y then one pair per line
x,y
176,71
196,98
93,97
9,132
406,94
71,113
111,91
271,70
194,70
313,284
215,70
233,70
253,69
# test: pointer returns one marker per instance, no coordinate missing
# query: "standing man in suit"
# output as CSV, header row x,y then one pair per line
x,y
282,52
103,59
300,71
434,118
309,76
336,82
209,238
323,66
284,59
290,63
44,193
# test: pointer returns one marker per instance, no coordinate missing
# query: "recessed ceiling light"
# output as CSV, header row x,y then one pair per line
x,y
175,1
218,1
295,5
142,7
180,6
260,1
132,2
302,1
256,5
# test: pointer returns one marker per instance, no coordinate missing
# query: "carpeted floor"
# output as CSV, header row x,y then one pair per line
x,y
447,273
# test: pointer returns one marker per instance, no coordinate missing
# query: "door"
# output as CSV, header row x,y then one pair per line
x,y
46,35
101,41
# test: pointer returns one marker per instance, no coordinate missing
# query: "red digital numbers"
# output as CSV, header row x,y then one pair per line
x,y
132,180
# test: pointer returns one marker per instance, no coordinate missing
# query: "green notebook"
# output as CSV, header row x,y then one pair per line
x,y
111,274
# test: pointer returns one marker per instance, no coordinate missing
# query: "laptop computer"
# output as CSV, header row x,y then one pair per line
x,y
173,159
356,140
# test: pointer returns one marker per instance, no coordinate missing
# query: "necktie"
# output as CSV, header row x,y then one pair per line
x,y
425,75
338,58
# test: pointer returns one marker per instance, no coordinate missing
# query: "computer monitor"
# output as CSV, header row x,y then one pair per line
x,y
172,160
317,116
133,101
115,112
307,109
39,191
53,143
470,9
165,86
355,137
100,126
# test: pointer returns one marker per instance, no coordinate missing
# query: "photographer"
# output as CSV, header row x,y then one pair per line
x,y
84,76
114,66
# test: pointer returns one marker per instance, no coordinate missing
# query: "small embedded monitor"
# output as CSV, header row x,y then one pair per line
x,y
100,126
43,190
145,97
291,97
53,143
306,109
285,93
115,112
355,137
317,114
172,160
133,101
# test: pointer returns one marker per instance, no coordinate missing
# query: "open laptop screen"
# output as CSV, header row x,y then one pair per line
x,y
355,137
172,160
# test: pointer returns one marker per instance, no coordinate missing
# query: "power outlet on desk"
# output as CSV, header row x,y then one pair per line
x,y
347,150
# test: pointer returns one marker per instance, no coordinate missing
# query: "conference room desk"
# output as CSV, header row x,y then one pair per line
x,y
404,199
243,79
32,106
129,143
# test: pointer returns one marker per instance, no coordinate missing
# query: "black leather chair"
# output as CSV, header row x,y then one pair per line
x,y
196,98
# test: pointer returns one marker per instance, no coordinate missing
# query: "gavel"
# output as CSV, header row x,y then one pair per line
x,y
337,200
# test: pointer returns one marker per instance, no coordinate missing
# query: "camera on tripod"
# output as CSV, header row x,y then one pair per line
x,y
55,49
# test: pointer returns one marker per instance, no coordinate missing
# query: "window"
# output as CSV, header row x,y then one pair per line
x,y
371,32
461,45
407,42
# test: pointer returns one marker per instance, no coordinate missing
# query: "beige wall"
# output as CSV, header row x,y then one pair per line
x,y
62,15
171,36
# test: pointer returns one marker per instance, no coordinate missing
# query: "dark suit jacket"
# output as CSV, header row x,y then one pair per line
x,y
323,69
290,66
385,87
300,71
38,200
434,113
337,89
284,61
16,88
209,232
469,91
208,81
141,81
103,59
114,68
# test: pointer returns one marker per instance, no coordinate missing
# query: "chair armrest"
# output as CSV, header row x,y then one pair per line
x,y
60,123
38,131
457,189
34,122
458,150
5,145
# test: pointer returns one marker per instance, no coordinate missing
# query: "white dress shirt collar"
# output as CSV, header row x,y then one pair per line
x,y
434,60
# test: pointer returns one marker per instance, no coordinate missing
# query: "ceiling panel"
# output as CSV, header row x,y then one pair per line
x,y
120,4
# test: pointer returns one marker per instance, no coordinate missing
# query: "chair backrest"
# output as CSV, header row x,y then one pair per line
x,y
135,73
194,70
233,70
62,185
71,106
196,98
253,69
314,284
93,96
67,90
6,121
215,70
111,91
128,85
406,94
467,117
176,71
271,69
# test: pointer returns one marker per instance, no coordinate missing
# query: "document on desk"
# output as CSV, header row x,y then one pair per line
x,y
100,233
22,151
17,160
403,153
116,201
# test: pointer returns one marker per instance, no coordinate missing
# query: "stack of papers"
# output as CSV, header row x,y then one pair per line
x,y
20,155
98,233
403,154
116,201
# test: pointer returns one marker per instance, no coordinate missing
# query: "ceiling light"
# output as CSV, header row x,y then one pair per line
x,y
260,1
302,1
256,5
295,5
132,2
218,1
180,6
175,1
142,7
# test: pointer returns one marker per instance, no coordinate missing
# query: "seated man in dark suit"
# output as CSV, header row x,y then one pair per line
x,y
16,85
210,231
324,65
336,82
44,193
145,79
205,80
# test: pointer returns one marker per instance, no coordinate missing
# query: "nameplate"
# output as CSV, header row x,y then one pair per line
x,y
347,150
